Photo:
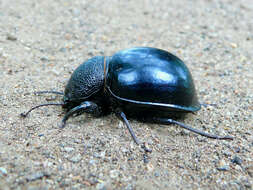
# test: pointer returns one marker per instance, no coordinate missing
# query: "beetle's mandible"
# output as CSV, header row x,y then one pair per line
x,y
146,83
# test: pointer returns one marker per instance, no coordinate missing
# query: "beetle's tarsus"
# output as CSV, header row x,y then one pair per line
x,y
205,105
23,115
226,138
169,121
146,148
63,123
48,92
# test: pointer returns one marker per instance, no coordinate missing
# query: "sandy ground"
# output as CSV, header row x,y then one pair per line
x,y
42,42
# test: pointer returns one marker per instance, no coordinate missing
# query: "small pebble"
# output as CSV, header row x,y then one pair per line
x,y
101,186
92,162
227,153
57,72
237,149
237,167
63,50
44,59
114,173
3,171
124,150
233,45
236,160
75,158
223,166
149,167
68,149
11,37
157,174
96,155
37,175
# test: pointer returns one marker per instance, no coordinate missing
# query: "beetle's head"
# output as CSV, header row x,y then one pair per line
x,y
84,84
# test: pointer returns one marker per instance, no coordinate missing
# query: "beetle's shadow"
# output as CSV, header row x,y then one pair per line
x,y
151,117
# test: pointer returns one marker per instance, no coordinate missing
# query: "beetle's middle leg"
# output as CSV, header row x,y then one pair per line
x,y
130,129
87,107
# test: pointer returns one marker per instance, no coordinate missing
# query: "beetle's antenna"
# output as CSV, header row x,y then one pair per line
x,y
35,107
205,105
48,92
168,121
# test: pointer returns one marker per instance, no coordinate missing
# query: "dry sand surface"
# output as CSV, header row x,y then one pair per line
x,y
42,42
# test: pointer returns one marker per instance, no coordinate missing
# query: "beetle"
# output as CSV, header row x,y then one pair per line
x,y
146,83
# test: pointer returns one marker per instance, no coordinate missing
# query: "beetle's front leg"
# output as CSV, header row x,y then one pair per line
x,y
84,107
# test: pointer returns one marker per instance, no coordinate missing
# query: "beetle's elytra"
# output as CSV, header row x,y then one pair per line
x,y
146,83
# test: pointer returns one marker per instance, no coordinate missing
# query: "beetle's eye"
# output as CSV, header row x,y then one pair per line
x,y
65,99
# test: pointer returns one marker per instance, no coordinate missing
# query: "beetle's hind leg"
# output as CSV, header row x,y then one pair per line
x,y
87,107
171,121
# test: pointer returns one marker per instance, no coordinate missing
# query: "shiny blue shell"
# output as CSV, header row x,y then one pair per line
x,y
151,77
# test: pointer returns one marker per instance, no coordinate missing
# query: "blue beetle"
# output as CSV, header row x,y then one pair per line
x,y
145,83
